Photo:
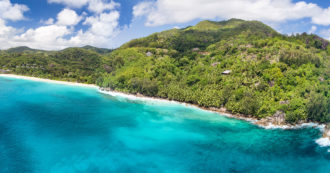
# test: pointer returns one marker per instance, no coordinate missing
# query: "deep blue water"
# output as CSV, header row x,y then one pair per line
x,y
56,128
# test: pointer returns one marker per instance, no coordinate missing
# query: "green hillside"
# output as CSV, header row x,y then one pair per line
x,y
268,71
22,49
244,66
96,49
71,64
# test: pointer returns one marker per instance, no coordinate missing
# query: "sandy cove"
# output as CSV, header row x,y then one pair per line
x,y
49,80
267,123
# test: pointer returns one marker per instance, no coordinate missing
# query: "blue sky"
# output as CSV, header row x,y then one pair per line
x,y
57,24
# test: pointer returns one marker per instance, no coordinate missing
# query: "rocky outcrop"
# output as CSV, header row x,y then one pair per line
x,y
284,102
277,119
105,89
326,132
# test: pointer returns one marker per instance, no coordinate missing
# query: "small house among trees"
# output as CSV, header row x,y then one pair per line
x,y
149,54
226,72
196,49
4,71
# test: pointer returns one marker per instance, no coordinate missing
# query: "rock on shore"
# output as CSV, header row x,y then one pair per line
x,y
326,131
324,141
277,119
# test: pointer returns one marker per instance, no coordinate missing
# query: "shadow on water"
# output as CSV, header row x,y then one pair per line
x,y
14,156
81,120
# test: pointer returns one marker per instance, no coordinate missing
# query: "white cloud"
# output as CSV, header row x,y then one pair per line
x,y
68,17
49,21
162,12
102,29
323,18
96,6
312,30
103,24
325,33
59,34
6,31
13,12
143,8
44,34
9,11
70,3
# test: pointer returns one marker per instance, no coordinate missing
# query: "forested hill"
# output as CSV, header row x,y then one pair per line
x,y
244,66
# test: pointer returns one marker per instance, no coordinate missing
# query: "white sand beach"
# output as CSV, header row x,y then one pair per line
x,y
48,80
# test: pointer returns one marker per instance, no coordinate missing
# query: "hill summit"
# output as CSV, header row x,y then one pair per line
x,y
245,66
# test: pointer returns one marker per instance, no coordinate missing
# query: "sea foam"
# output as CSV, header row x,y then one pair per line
x,y
323,142
138,98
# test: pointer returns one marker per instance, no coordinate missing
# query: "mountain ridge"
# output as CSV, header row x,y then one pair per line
x,y
26,49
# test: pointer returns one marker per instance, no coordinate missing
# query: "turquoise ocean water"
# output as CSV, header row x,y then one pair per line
x,y
55,128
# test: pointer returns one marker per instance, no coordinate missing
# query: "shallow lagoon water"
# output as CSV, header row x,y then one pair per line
x,y
55,128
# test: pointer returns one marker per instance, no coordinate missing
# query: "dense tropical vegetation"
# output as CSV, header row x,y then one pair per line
x,y
244,66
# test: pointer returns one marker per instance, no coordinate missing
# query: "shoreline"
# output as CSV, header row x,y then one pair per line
x,y
48,80
324,141
221,111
